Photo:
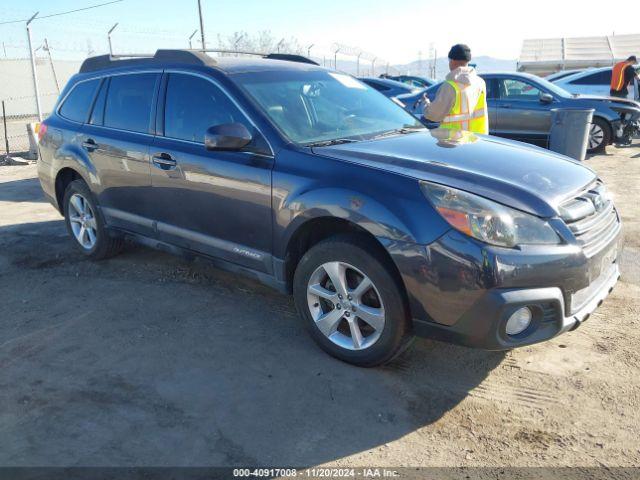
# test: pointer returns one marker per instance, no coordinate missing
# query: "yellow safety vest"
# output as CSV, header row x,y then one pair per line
x,y
460,118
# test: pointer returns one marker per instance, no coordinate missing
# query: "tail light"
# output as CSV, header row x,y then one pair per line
x,y
41,129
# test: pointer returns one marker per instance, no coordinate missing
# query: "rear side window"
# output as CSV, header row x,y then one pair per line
x,y
129,102
377,86
599,78
194,104
77,104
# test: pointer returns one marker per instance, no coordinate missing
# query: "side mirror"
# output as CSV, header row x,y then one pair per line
x,y
546,98
228,136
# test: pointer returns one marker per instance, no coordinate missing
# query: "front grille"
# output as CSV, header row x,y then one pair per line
x,y
592,218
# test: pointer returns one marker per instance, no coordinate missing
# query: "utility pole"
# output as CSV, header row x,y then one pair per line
x,y
358,64
335,59
190,37
53,69
33,67
109,38
308,50
204,47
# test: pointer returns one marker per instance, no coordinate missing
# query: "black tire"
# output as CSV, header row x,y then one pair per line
x,y
105,245
396,334
603,125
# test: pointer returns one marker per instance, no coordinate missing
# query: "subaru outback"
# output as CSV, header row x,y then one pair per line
x,y
314,183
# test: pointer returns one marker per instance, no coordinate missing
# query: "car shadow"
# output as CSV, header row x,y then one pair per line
x,y
23,190
148,359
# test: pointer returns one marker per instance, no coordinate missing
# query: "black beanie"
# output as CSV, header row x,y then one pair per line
x,y
460,52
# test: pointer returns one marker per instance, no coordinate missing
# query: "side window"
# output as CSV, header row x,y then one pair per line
x,y
97,115
599,78
78,102
193,104
519,91
378,86
129,101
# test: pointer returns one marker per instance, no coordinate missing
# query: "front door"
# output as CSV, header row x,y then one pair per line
x,y
213,202
520,112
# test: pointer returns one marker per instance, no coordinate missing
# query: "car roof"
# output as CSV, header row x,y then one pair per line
x,y
229,65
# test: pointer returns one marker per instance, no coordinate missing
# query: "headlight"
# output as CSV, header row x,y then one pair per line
x,y
488,221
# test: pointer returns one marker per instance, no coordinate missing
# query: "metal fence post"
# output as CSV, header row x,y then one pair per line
x,y
33,68
4,122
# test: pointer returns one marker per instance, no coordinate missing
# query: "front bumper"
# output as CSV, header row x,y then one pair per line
x,y
462,291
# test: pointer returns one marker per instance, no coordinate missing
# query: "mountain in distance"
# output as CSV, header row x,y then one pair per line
x,y
417,67
483,64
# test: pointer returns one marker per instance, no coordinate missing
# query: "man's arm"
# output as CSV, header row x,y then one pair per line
x,y
441,106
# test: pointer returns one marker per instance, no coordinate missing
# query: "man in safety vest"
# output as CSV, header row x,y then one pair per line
x,y
461,101
622,75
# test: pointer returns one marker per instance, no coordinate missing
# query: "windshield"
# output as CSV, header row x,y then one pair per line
x,y
318,106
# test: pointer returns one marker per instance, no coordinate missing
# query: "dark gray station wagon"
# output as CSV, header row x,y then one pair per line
x,y
316,184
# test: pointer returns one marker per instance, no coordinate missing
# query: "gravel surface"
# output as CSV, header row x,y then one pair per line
x,y
148,359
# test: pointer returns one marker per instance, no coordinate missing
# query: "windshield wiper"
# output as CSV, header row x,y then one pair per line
x,y
327,143
399,131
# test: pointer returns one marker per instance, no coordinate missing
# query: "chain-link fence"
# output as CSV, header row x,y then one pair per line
x,y
14,118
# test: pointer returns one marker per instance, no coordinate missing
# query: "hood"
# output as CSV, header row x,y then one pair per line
x,y
626,101
524,177
463,75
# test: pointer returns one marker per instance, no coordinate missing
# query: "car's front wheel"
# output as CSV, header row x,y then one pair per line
x,y
353,305
599,135
85,224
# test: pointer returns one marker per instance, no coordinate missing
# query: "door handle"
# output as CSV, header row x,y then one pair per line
x,y
89,145
164,161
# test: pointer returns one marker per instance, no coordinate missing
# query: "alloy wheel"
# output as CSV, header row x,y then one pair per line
x,y
83,221
596,136
345,305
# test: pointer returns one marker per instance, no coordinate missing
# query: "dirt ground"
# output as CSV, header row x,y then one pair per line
x,y
147,359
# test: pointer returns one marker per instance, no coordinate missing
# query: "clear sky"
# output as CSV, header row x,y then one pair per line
x,y
395,31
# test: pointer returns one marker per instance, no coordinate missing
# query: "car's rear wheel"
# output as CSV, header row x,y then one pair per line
x,y
86,225
351,301
599,136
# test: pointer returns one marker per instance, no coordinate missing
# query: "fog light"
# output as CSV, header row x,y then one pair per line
x,y
519,321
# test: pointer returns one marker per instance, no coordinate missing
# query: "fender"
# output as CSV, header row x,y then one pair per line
x,y
385,222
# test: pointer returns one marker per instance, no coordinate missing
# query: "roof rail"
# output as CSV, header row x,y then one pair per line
x,y
271,56
190,57
102,62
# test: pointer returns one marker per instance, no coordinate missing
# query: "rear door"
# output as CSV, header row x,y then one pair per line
x,y
117,140
520,113
214,202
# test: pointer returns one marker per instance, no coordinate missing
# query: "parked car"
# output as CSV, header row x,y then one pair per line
x,y
389,88
411,80
593,81
520,107
314,183
561,74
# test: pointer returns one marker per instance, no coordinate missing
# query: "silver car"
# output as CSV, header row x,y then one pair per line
x,y
520,107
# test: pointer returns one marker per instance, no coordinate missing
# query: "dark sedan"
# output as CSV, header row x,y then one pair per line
x,y
412,80
520,107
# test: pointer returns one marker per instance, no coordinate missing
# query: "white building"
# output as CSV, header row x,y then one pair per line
x,y
545,56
